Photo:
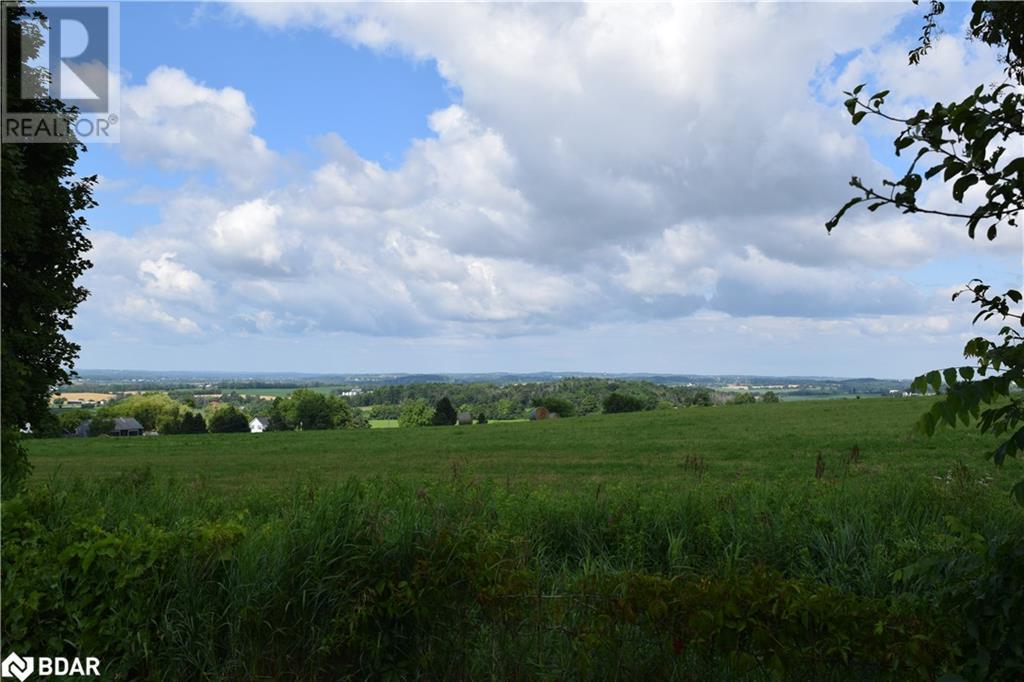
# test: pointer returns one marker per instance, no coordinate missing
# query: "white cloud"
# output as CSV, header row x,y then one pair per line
x,y
606,165
180,124
136,309
166,278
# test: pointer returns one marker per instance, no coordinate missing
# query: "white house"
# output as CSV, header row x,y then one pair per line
x,y
259,425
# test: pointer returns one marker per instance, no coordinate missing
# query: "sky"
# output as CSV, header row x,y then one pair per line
x,y
499,187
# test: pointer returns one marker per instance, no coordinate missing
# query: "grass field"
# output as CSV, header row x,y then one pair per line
x,y
777,442
678,544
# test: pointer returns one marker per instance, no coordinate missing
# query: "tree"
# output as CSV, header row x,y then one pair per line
x,y
415,413
966,142
42,243
481,418
769,397
192,422
444,413
151,409
228,419
70,420
742,398
309,409
101,426
621,402
553,403
702,397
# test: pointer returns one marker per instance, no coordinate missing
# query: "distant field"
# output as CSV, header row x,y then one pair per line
x,y
668,448
383,423
277,391
84,396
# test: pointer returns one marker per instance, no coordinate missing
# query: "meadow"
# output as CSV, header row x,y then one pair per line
x,y
762,443
658,545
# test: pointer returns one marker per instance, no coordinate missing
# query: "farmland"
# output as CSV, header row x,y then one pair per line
x,y
666,544
761,443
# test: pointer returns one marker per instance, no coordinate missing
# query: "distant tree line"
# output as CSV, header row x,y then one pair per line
x,y
413,404
230,413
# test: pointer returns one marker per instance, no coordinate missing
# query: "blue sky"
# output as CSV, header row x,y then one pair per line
x,y
346,188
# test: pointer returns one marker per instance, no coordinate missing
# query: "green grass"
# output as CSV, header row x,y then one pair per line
x,y
677,544
383,423
687,447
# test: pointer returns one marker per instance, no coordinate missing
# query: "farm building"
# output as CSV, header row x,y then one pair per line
x,y
126,426
259,424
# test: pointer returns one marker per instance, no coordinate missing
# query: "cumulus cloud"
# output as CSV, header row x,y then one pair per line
x,y
166,278
606,164
178,123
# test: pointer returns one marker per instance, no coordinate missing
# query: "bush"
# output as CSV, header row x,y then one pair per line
x,y
743,398
481,418
621,402
771,397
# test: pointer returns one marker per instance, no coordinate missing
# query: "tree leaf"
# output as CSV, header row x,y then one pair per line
x,y
962,185
1018,492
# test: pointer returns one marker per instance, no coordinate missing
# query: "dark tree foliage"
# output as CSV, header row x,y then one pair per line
x,y
555,403
622,402
770,397
481,418
444,413
192,422
228,419
42,243
974,143
513,401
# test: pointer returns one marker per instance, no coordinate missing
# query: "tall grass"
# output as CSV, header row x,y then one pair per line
x,y
466,578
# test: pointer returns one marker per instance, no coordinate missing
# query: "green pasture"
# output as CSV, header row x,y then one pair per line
x,y
673,448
